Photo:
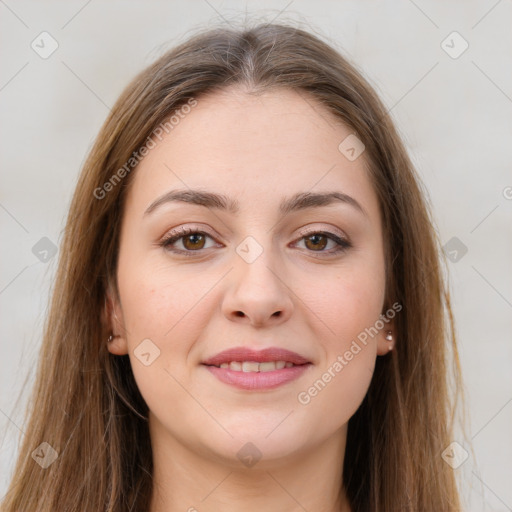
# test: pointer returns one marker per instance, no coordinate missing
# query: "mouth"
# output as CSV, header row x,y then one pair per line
x,y
248,357
254,366
257,370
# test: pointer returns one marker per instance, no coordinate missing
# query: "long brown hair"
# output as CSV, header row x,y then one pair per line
x,y
86,404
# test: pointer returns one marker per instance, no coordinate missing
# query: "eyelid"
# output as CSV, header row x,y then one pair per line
x,y
319,229
183,231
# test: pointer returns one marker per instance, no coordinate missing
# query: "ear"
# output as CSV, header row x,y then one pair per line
x,y
114,320
385,345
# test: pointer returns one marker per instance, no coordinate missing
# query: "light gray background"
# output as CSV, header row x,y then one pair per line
x,y
455,116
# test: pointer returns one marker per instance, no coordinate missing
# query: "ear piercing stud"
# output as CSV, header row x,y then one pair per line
x,y
389,337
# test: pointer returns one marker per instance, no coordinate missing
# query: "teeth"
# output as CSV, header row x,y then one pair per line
x,y
250,366
253,366
268,366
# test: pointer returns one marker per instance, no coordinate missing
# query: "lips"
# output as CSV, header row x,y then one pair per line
x,y
259,370
246,355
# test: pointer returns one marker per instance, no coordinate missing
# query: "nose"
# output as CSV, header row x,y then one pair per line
x,y
258,294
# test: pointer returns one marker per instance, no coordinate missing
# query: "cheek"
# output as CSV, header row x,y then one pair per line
x,y
171,310
347,301
157,301
167,310
348,307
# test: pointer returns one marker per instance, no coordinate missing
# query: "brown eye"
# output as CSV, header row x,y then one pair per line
x,y
186,241
316,242
194,241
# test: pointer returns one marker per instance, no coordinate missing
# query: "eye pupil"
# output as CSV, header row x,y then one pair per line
x,y
315,240
195,238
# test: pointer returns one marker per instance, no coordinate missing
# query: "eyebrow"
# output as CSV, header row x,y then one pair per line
x,y
300,201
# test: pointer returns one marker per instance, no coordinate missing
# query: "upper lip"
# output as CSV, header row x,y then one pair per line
x,y
258,356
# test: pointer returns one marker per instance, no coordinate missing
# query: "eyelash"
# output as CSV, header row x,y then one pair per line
x,y
342,244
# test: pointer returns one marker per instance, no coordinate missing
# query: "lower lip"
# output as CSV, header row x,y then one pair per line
x,y
258,380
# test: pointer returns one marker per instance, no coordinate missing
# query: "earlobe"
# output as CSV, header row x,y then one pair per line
x,y
386,341
117,345
113,319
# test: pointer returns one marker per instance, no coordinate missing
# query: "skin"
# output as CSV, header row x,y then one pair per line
x,y
256,149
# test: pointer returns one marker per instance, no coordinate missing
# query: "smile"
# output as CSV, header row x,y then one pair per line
x,y
254,376
254,366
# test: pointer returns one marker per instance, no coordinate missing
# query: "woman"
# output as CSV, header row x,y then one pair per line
x,y
249,309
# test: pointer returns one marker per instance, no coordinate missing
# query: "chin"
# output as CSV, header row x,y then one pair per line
x,y
251,446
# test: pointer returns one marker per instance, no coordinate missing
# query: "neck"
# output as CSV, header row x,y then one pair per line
x,y
191,479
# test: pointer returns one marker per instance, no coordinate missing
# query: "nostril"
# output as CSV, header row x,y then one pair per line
x,y
239,313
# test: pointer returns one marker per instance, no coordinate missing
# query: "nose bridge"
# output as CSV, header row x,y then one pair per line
x,y
257,290
256,264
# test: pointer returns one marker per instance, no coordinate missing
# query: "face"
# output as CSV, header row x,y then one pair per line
x,y
277,280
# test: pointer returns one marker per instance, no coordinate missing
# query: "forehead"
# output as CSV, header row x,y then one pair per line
x,y
255,148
